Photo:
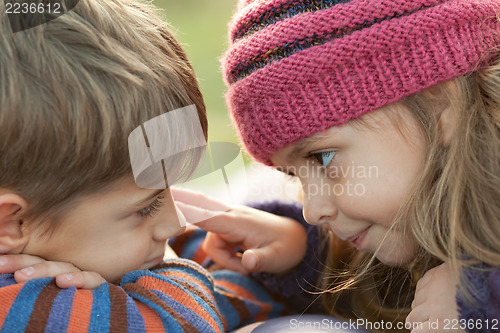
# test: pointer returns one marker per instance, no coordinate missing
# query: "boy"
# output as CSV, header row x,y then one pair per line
x,y
71,92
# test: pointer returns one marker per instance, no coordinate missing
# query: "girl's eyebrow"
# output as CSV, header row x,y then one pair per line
x,y
303,144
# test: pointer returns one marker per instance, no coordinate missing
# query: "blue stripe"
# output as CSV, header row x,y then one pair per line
x,y
261,295
195,273
189,268
191,316
61,311
246,68
201,302
244,282
135,320
193,244
253,307
194,285
282,12
167,320
192,270
101,305
228,311
7,280
20,311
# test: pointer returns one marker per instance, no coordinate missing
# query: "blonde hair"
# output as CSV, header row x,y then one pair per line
x,y
73,89
453,211
456,207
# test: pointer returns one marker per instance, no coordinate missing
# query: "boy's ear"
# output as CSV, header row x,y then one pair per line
x,y
12,239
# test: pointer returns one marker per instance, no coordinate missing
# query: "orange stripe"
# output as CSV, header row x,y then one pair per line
x,y
240,291
199,256
180,296
238,304
7,297
208,298
236,289
42,307
80,311
189,278
152,320
152,297
260,317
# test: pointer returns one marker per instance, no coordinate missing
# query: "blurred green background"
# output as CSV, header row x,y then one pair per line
x,y
201,26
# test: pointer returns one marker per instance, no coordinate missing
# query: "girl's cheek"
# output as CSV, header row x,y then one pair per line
x,y
332,173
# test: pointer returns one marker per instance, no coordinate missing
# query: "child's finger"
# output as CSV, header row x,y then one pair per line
x,y
80,280
419,314
266,259
195,214
425,279
43,270
13,262
223,253
218,222
251,261
420,327
198,199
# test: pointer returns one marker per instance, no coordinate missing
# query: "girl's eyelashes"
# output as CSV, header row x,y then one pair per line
x,y
324,157
287,173
152,209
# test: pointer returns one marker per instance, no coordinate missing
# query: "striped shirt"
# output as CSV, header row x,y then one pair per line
x,y
176,296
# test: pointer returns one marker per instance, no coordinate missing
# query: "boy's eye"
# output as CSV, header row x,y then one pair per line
x,y
323,157
152,209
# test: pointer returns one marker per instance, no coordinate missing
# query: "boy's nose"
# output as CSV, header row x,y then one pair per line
x,y
162,231
319,204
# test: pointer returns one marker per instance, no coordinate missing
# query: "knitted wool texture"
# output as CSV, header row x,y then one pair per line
x,y
298,67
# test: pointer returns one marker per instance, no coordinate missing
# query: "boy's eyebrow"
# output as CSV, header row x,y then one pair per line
x,y
149,197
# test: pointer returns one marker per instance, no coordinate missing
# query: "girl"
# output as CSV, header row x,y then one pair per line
x,y
387,111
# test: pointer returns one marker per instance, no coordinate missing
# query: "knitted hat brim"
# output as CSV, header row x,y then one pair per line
x,y
331,83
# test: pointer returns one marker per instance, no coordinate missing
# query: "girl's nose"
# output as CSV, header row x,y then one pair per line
x,y
319,204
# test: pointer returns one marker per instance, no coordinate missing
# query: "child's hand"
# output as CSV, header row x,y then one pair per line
x,y
26,267
434,305
271,243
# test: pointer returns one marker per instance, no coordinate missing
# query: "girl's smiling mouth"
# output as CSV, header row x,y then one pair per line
x,y
357,240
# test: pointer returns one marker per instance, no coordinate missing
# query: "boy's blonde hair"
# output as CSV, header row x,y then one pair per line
x,y
73,89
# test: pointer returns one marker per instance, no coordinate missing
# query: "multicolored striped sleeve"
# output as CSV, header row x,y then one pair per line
x,y
296,288
188,245
177,296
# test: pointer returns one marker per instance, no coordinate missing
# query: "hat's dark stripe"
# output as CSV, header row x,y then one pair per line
x,y
283,12
244,69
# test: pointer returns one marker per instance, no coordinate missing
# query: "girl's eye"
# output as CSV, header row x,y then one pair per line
x,y
289,174
152,209
323,157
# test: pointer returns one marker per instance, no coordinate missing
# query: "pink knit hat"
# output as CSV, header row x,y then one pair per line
x,y
297,67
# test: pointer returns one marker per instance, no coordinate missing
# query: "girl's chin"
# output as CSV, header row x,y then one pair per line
x,y
395,258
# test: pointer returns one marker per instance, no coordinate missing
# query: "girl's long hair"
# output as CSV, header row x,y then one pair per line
x,y
453,210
